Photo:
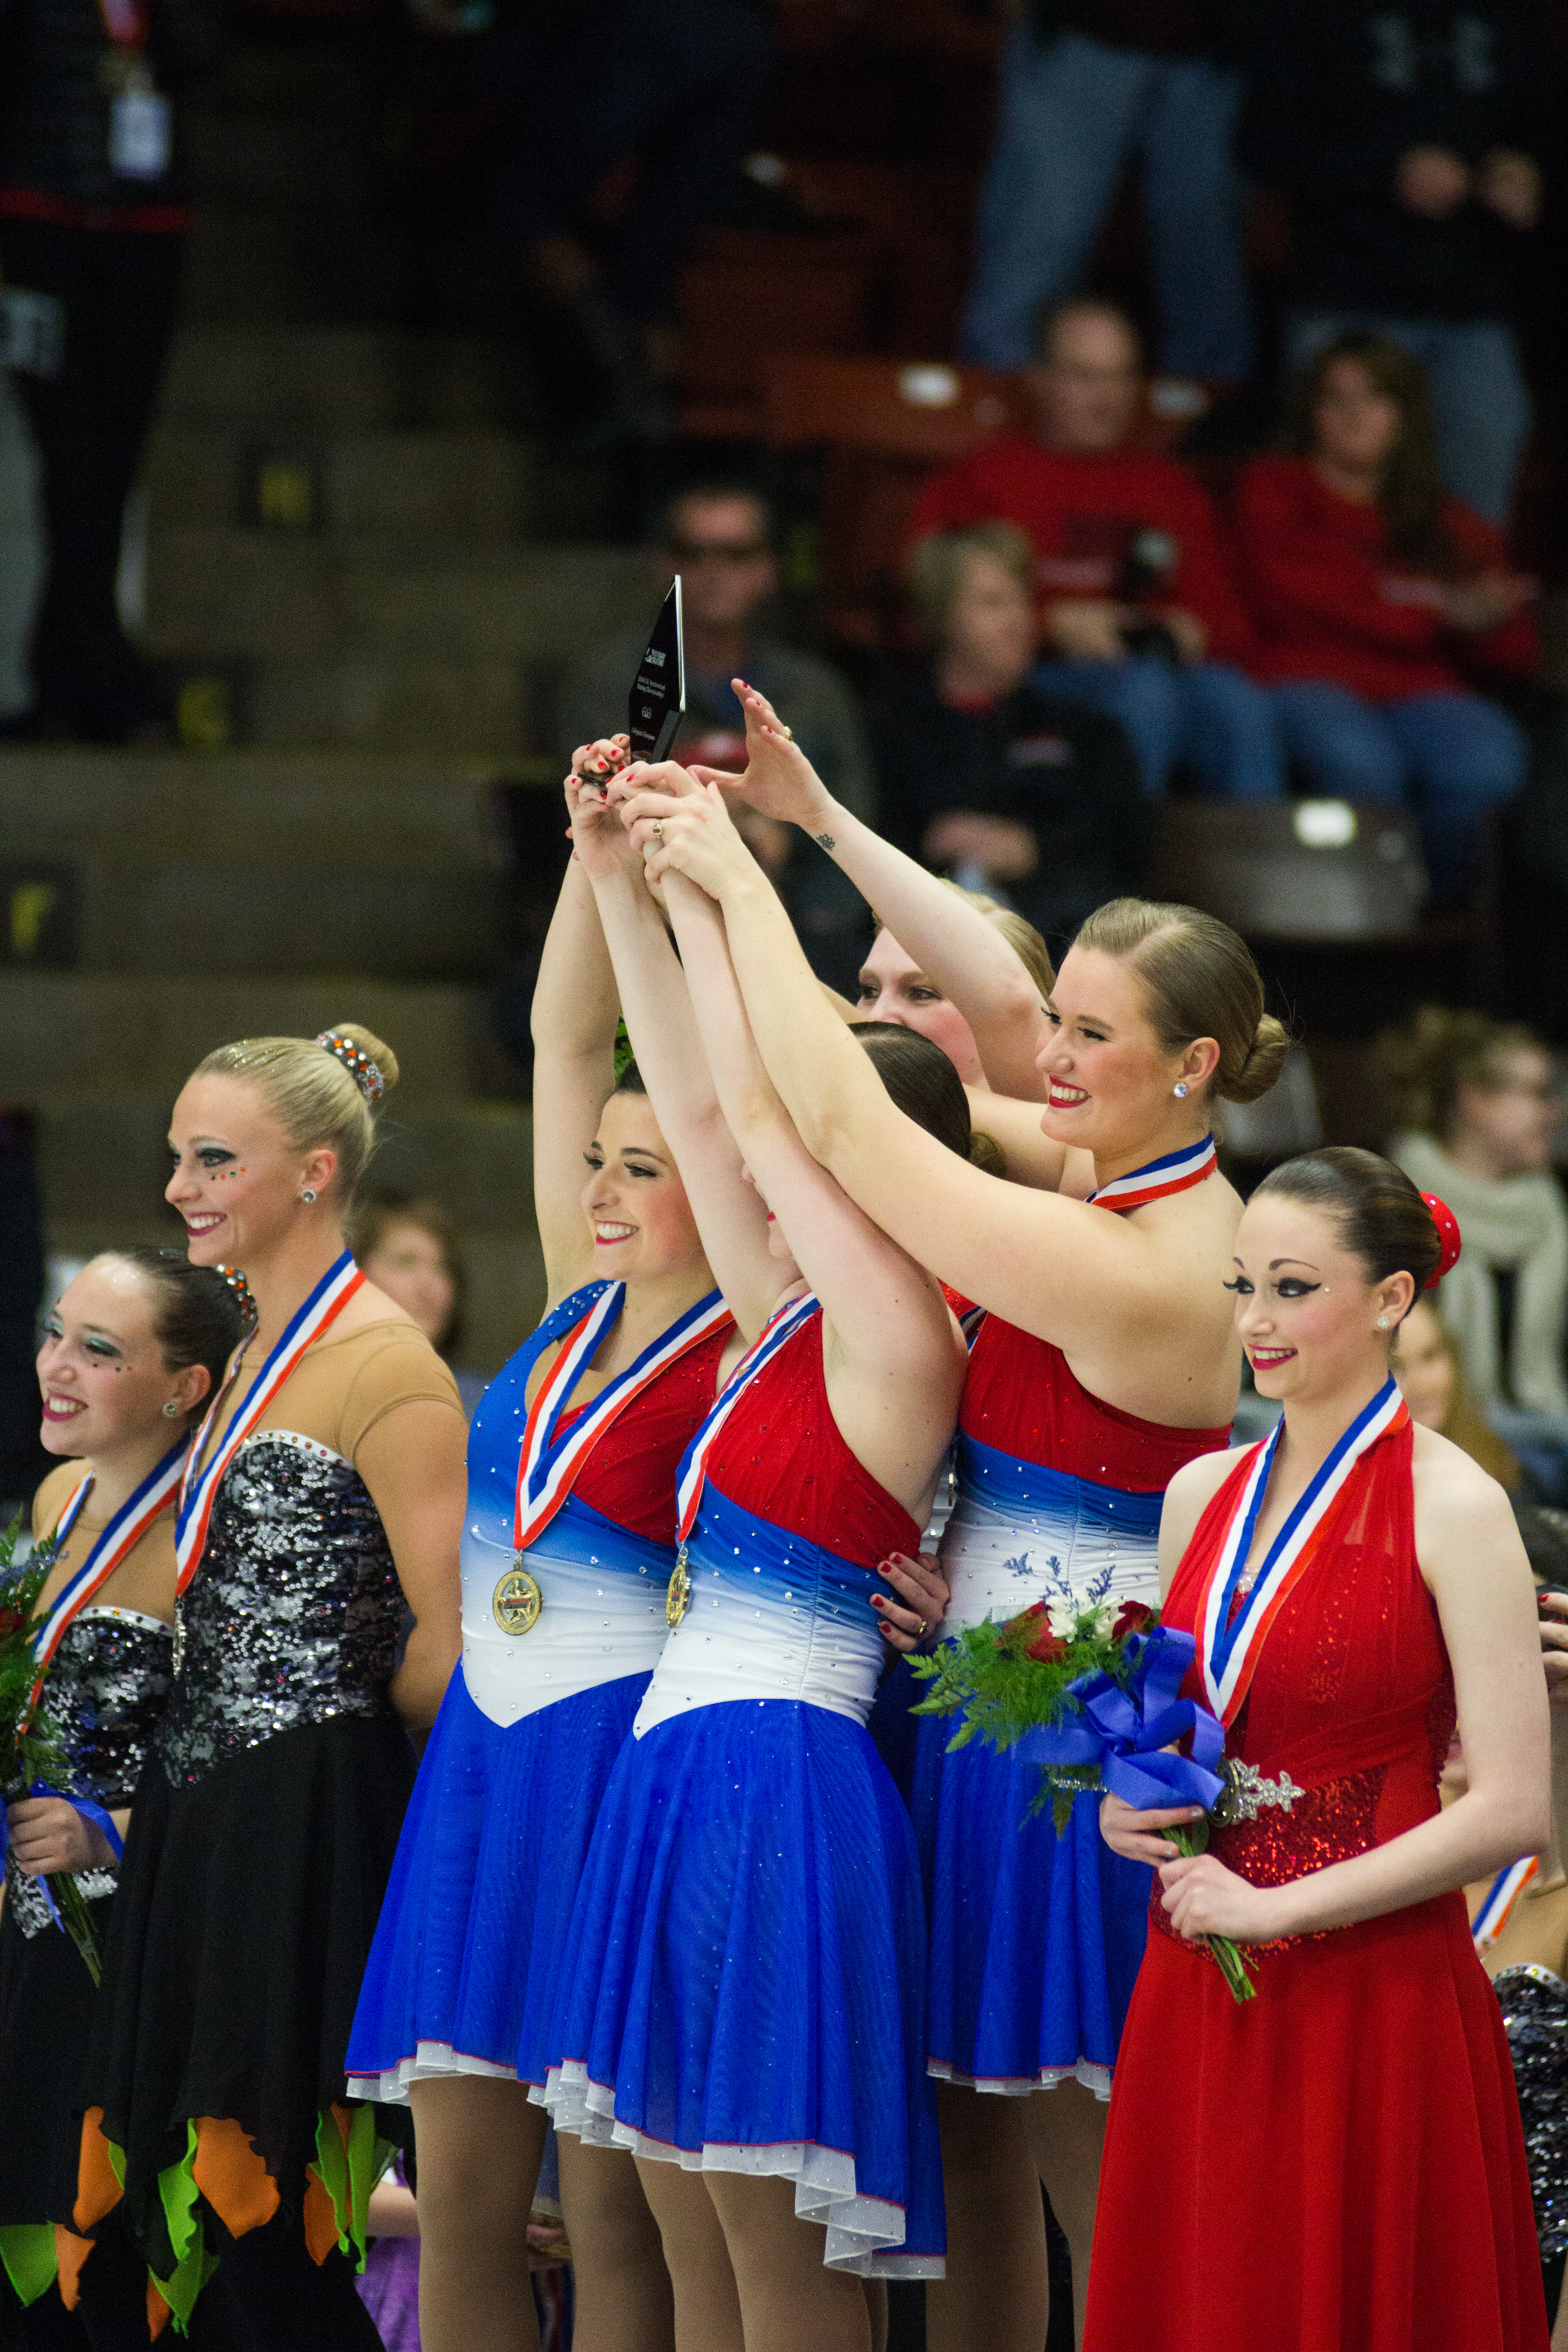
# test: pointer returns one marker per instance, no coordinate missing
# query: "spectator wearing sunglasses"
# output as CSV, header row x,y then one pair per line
x,y
719,537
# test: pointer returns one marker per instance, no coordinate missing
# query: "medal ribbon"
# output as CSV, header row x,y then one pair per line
x,y
119,1539
1229,1645
1173,1173
198,1487
547,1470
781,1325
1501,1896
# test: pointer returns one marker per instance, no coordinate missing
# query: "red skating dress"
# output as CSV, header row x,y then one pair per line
x,y
1337,2166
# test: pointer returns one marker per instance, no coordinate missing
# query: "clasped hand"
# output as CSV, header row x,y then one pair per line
x,y
681,824
1199,1894
48,1834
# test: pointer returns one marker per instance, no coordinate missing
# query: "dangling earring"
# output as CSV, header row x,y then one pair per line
x,y
1179,1090
171,1409
307,1195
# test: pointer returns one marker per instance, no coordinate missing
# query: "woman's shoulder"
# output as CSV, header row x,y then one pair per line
x,y
1197,1481
1273,484
1462,1514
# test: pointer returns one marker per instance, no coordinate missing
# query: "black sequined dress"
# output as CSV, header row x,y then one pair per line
x,y
264,1829
108,1684
1534,2002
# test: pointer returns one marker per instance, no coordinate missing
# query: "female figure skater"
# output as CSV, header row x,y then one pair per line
x,y
322,1496
135,1347
568,1548
1102,1364
1337,2163
741,1990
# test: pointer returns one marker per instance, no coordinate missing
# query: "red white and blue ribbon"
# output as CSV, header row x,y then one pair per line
x,y
116,1541
1501,1896
198,1487
1173,1173
1231,1632
547,1468
776,1332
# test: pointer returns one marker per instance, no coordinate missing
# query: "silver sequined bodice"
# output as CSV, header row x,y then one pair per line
x,y
1535,2019
292,1616
108,1684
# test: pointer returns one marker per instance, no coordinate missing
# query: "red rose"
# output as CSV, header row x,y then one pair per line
x,y
11,1622
1044,1647
1132,1618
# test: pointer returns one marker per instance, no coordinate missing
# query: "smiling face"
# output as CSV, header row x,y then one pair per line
x,y
634,1200
1306,1311
237,1179
894,989
1111,1082
101,1369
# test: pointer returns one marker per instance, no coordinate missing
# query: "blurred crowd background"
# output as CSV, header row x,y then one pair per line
x,y
1128,440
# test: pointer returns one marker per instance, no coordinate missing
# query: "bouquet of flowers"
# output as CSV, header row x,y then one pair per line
x,y
1094,1699
32,1757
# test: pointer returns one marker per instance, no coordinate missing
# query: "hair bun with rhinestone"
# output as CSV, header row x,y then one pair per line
x,y
245,1296
365,1073
1447,1226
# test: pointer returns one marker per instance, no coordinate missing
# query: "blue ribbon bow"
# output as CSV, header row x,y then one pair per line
x,y
89,1810
1127,1732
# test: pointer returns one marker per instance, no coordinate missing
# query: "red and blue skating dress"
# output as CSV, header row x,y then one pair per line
x,y
743,1989
1036,1939
560,1635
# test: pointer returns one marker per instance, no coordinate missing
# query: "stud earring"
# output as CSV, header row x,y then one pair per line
x,y
171,1409
1383,1322
308,1195
1179,1090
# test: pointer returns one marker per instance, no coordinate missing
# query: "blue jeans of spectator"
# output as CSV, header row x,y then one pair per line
x,y
1073,111
1478,388
1449,757
1211,719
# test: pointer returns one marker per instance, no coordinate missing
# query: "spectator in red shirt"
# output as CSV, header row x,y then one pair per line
x,y
1138,618
1379,601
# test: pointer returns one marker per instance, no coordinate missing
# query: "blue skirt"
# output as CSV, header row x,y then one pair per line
x,y
743,1987
1035,1939
466,1964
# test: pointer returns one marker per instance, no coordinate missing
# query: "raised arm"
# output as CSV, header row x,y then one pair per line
x,y
576,1009
1090,1282
969,960
894,1357
653,990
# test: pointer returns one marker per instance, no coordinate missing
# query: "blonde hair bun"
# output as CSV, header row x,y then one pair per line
x,y
380,1055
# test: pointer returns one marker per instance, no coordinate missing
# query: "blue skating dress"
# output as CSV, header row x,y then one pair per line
x,y
743,1983
1035,1941
466,1961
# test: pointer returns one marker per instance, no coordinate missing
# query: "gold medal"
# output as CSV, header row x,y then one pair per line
x,y
517,1600
677,1598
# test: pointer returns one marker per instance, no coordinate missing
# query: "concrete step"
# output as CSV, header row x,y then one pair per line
x,y
397,704
348,809
258,595
468,483
77,1036
352,379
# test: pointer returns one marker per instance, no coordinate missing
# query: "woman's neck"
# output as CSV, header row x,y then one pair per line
x,y
1188,1124
281,1283
658,1300
1361,484
1314,1427
116,1473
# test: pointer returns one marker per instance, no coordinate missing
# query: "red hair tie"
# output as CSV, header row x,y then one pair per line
x,y
1447,1226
